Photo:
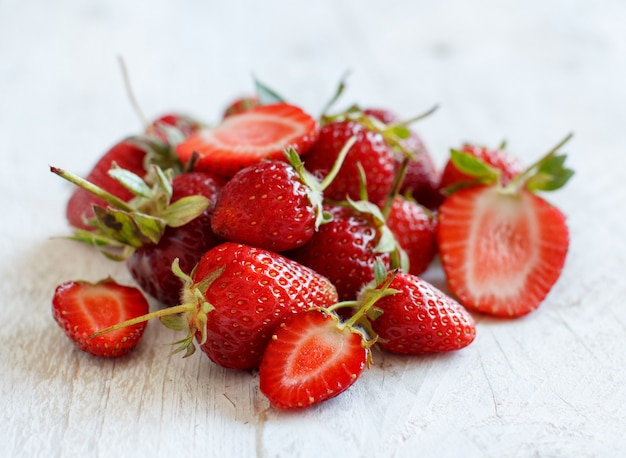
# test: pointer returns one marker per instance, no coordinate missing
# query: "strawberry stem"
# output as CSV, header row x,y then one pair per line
x,y
372,296
183,308
92,188
131,95
338,163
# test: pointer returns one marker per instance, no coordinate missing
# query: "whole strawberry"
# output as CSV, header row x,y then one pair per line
x,y
267,205
418,318
81,309
370,153
346,248
421,178
502,248
415,229
478,164
150,264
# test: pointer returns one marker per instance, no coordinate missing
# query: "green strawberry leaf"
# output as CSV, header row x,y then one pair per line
x,y
473,166
184,210
131,181
550,174
266,95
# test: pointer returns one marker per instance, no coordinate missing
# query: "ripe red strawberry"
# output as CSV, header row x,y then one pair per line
x,y
414,228
422,177
81,309
249,291
311,357
370,151
345,249
503,248
267,205
263,132
150,264
419,319
462,167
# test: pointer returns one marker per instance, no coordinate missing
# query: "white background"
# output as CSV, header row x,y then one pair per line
x,y
550,384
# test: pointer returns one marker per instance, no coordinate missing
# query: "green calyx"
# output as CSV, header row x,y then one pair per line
x,y
548,173
121,227
315,186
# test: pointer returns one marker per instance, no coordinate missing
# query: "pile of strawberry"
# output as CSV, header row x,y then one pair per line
x,y
293,245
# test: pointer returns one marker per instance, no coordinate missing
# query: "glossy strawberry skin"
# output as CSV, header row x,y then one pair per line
x,y
81,309
124,154
265,205
421,319
415,230
150,265
310,359
343,251
245,138
255,292
421,180
370,150
508,165
501,253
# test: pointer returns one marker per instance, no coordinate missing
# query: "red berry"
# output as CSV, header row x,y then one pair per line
x,y
344,250
502,252
266,205
150,264
419,319
415,230
241,105
370,151
311,357
251,291
82,309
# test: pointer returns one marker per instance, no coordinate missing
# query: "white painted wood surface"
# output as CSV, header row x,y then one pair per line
x,y
551,384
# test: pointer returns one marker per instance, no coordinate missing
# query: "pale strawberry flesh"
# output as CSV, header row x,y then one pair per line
x,y
311,358
501,253
82,308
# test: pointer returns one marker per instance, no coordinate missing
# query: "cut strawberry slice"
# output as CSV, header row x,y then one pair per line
x,y
83,308
311,358
242,139
501,251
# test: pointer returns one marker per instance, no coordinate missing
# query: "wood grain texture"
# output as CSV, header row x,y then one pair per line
x,y
550,384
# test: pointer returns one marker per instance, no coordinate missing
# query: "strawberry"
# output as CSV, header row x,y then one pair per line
x,y
242,139
503,248
272,204
346,248
150,264
414,228
370,152
421,179
478,164
311,357
418,318
81,309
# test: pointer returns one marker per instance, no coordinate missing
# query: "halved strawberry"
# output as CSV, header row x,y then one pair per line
x,y
503,248
82,309
312,357
242,139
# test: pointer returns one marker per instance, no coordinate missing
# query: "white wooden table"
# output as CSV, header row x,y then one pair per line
x,y
530,71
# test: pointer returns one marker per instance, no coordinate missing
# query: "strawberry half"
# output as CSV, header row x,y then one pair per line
x,y
503,248
82,309
245,138
311,357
